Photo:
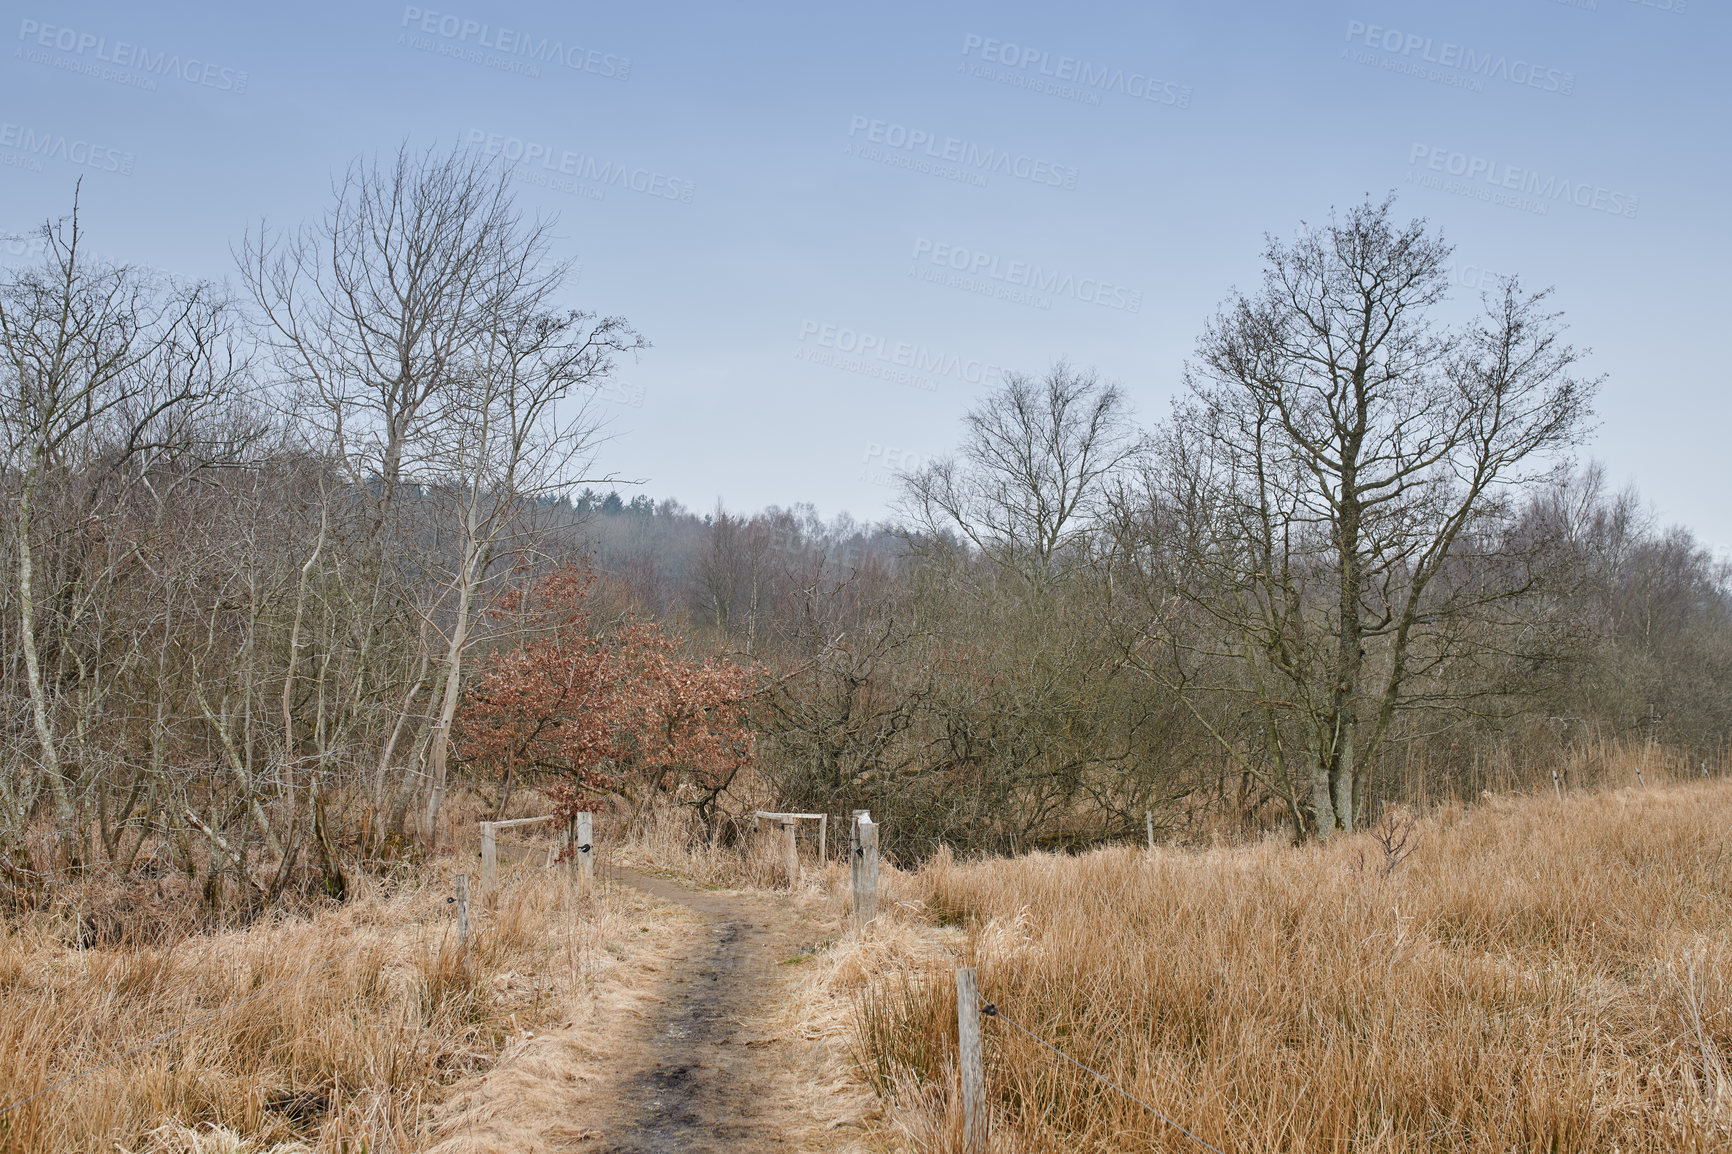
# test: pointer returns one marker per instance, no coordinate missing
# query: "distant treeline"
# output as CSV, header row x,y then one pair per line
x,y
281,570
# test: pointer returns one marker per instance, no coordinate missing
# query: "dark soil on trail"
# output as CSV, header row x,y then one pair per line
x,y
699,1076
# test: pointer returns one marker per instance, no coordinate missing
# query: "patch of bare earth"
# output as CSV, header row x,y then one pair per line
x,y
691,1038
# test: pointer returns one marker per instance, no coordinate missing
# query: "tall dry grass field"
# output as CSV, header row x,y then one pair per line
x,y
338,1031
1535,975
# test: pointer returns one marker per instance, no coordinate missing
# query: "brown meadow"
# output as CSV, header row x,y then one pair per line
x,y
343,1030
1526,974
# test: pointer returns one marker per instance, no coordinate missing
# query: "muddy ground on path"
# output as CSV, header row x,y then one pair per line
x,y
712,1070
693,1041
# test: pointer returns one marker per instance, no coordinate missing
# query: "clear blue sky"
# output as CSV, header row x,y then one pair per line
x,y
844,222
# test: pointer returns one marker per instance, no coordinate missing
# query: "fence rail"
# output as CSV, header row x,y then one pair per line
x,y
790,842
490,847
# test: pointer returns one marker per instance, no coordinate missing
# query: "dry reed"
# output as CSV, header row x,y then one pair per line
x,y
1536,974
339,1031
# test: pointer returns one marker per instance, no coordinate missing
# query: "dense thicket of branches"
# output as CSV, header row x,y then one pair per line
x,y
264,568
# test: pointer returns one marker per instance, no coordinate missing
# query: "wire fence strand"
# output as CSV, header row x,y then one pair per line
x,y
991,1010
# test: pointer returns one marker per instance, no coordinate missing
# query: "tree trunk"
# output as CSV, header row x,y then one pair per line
x,y
439,750
1341,777
1322,806
330,868
295,646
65,818
402,721
1350,652
1362,794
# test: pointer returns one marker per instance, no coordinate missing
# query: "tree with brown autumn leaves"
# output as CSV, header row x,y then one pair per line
x,y
586,716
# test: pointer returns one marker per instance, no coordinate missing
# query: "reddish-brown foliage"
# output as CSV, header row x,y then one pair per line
x,y
587,715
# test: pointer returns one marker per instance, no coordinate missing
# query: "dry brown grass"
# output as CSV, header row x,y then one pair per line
x,y
1537,975
356,1055
668,839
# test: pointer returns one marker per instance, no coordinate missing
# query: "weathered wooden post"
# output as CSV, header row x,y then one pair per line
x,y
489,858
790,853
585,839
463,910
866,874
1149,824
567,853
854,848
824,831
970,1063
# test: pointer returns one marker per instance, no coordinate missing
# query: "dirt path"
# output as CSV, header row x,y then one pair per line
x,y
709,1070
691,1035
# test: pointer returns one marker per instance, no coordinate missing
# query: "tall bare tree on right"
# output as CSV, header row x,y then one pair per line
x,y
1331,503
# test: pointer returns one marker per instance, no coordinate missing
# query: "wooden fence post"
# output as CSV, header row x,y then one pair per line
x,y
790,853
1149,823
970,1064
463,910
585,839
854,853
489,858
567,853
866,874
824,831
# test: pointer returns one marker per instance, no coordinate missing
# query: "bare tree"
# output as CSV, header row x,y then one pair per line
x,y
1031,471
100,368
503,447
375,311
1335,486
418,330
